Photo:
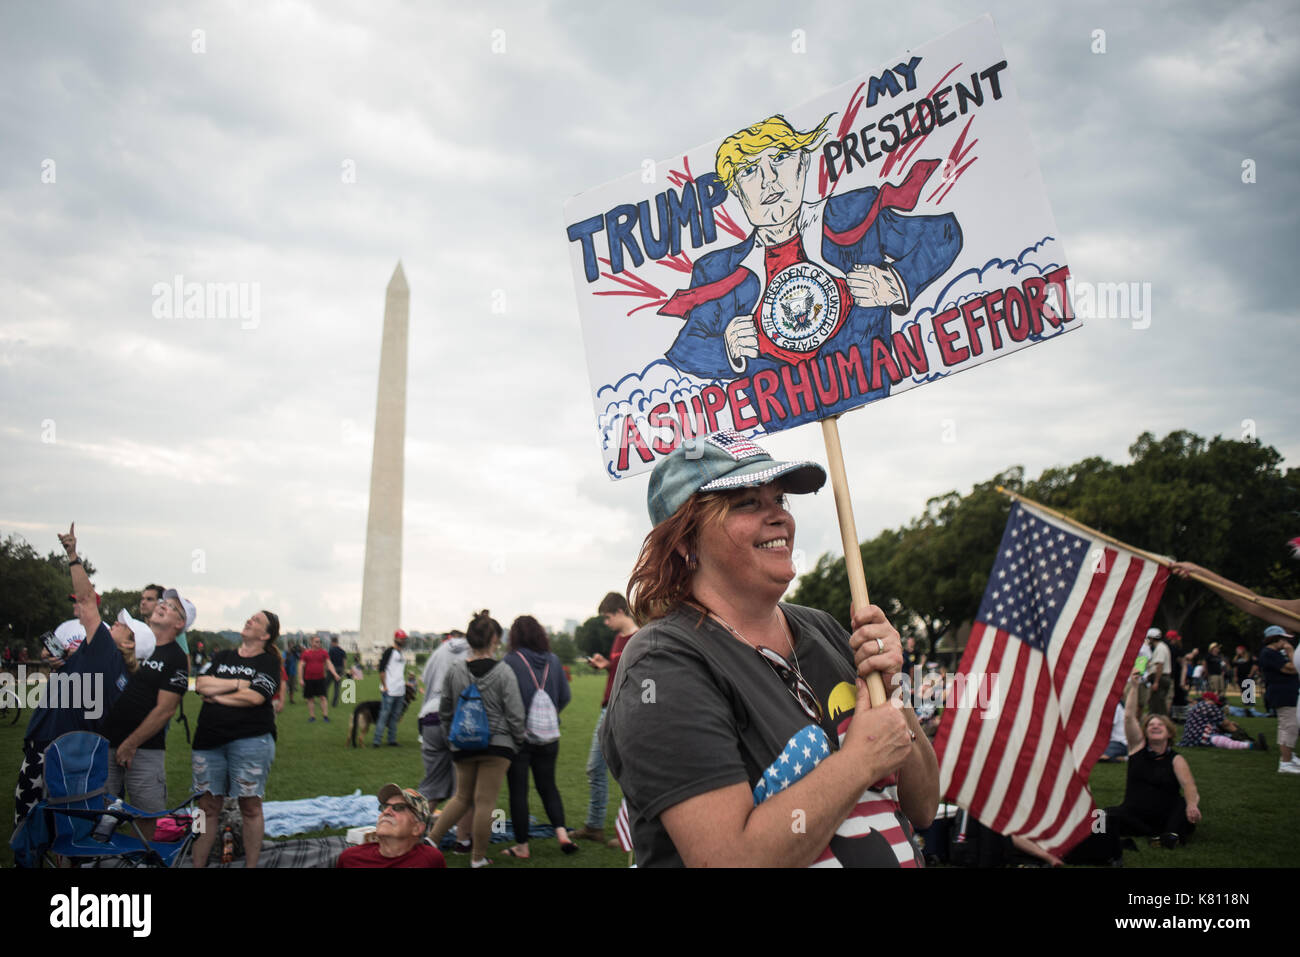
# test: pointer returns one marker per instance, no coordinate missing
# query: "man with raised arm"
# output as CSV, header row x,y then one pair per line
x,y
99,666
137,769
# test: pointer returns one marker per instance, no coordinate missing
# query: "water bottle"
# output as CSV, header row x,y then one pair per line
x,y
107,824
227,845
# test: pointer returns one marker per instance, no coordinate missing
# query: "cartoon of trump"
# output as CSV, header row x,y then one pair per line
x,y
813,277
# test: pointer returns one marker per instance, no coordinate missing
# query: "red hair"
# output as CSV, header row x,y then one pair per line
x,y
662,577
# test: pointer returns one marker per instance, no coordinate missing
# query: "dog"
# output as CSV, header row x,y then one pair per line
x,y
366,714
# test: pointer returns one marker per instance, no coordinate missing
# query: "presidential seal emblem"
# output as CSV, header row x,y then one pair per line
x,y
801,309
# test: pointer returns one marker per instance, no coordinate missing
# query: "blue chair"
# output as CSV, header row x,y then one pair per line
x,y
76,798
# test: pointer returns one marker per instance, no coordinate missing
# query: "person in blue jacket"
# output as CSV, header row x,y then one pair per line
x,y
99,666
537,670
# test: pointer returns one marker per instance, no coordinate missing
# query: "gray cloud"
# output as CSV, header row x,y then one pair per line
x,y
228,166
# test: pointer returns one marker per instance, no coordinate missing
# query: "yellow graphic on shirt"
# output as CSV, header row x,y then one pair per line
x,y
843,699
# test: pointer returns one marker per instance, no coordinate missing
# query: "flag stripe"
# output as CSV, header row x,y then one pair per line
x,y
1014,763
982,735
1085,678
622,827
1060,766
1084,632
1001,727
1124,652
1037,742
957,759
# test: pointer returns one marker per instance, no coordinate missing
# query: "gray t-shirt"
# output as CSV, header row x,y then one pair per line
x,y
694,710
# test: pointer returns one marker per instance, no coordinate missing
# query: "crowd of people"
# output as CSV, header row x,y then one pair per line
x,y
143,675
726,712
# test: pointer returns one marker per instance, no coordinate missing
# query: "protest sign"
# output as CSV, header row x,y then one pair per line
x,y
887,234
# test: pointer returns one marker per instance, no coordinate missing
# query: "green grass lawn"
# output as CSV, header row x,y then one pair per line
x,y
1249,808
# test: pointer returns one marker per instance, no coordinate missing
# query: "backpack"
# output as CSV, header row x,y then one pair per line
x,y
469,725
542,725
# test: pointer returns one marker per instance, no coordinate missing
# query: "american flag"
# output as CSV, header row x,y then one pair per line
x,y
623,828
1062,615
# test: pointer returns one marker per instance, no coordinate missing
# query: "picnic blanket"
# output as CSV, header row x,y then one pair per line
x,y
301,852
285,818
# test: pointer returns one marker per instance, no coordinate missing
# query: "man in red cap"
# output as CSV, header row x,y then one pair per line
x,y
392,682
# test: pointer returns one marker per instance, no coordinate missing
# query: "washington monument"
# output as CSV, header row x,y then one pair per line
x,y
381,591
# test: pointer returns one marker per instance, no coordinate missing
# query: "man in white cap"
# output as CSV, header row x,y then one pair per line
x,y
141,634
137,770
149,598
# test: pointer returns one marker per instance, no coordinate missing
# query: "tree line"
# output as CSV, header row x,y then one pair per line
x,y
1225,504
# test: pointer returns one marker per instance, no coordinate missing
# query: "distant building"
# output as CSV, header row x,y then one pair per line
x,y
350,641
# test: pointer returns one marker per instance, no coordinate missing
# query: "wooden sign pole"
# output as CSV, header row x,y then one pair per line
x,y
849,537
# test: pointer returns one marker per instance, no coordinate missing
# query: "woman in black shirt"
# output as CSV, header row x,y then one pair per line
x,y
1156,773
234,744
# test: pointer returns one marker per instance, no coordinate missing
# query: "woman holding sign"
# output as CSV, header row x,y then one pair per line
x,y
740,728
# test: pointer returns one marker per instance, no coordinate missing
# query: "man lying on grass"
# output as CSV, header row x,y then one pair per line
x,y
403,821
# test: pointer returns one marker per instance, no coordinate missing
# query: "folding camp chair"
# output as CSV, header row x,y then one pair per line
x,y
76,799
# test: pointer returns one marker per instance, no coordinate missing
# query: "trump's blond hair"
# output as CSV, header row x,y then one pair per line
x,y
736,150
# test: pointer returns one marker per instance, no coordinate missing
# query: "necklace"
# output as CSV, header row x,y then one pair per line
x,y
784,627
791,677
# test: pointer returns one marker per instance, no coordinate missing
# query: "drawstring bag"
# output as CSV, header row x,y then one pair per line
x,y
469,725
542,725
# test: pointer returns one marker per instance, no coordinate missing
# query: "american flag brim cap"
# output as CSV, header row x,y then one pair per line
x,y
718,462
418,802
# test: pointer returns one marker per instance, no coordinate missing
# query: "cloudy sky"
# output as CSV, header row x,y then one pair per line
x,y
303,149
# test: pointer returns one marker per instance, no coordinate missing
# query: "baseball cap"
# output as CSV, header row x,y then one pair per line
x,y
1153,633
145,642
1276,631
190,612
723,460
73,634
399,633
419,803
